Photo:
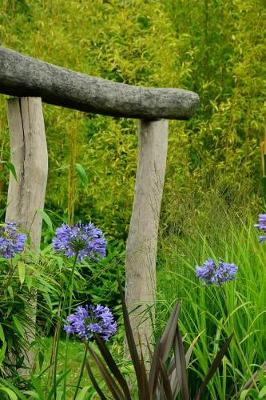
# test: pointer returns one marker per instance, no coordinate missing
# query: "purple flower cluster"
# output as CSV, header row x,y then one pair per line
x,y
82,240
261,225
218,274
88,320
11,242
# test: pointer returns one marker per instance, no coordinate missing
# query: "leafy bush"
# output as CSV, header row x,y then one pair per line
x,y
19,283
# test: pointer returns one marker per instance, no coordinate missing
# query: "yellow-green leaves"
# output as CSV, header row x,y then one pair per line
x,y
9,392
3,345
21,266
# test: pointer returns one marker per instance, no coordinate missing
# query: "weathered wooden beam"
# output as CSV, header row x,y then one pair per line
x,y
25,76
141,249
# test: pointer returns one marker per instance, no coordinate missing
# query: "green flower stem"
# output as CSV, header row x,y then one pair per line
x,y
55,348
69,311
81,372
9,276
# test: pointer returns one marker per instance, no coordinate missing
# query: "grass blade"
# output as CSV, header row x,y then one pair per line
x,y
56,385
251,382
214,366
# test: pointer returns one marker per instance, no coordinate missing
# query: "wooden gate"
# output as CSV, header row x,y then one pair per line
x,y
31,81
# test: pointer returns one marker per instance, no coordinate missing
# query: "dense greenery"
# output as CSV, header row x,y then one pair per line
x,y
215,312
213,47
213,187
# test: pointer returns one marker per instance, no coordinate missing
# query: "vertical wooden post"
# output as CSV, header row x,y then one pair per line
x,y
29,155
141,247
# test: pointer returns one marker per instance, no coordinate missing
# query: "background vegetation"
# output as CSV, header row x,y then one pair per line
x,y
213,188
213,47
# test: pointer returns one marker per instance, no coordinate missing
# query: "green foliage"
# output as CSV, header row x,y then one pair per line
x,y
20,280
215,312
255,389
215,48
100,279
167,376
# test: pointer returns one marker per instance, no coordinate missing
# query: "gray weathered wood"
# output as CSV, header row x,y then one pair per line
x,y
26,76
29,156
141,247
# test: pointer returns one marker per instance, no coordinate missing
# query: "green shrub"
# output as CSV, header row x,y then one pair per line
x,y
20,281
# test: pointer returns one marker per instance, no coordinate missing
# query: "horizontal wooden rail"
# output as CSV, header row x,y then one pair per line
x,y
26,76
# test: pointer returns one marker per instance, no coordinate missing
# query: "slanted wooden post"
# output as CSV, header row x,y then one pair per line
x,y
143,231
29,156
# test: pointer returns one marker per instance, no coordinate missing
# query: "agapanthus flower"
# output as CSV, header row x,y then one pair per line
x,y
81,240
90,320
212,273
11,241
261,225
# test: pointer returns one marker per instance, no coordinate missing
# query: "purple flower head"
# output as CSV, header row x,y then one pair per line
x,y
88,320
212,273
11,242
83,240
261,225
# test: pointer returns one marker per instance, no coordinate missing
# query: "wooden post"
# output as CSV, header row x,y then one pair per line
x,y
29,156
143,231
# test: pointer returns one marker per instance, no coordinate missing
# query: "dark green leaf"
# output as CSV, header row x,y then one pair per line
x,y
165,381
180,365
94,382
111,383
133,349
163,347
112,366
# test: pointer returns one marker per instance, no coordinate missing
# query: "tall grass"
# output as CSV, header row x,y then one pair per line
x,y
216,312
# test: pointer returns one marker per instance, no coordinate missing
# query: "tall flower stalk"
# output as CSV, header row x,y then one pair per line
x,y
81,373
80,241
87,322
69,310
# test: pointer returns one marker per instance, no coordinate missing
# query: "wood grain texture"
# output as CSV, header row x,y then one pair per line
x,y
141,249
25,76
26,195
29,156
